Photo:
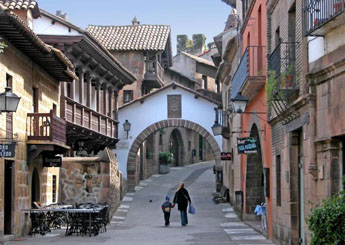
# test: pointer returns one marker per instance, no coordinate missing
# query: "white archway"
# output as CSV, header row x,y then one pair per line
x,y
145,113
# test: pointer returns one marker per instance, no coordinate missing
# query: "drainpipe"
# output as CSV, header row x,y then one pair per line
x,y
312,169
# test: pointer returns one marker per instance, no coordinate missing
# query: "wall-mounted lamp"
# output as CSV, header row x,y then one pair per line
x,y
239,104
126,127
216,128
8,101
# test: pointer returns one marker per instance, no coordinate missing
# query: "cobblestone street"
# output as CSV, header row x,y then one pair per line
x,y
139,219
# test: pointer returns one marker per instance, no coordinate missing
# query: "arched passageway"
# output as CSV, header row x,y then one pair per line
x,y
176,146
132,170
254,176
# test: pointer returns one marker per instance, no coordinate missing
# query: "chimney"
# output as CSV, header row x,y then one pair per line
x,y
135,21
62,15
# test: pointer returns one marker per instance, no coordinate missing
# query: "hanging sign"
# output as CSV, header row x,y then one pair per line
x,y
7,150
247,145
52,161
225,156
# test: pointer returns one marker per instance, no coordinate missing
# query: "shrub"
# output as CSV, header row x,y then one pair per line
x,y
165,157
327,221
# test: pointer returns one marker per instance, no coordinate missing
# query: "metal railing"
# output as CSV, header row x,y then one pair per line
x,y
252,65
283,62
46,126
319,12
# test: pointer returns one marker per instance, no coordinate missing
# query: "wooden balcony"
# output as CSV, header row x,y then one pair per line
x,y
154,74
88,125
46,127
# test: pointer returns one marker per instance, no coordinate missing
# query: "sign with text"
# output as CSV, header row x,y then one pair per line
x,y
52,161
247,145
7,150
225,156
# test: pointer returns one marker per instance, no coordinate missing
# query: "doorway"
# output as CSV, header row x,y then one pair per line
x,y
255,194
8,198
35,187
175,145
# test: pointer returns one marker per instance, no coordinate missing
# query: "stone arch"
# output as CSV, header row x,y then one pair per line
x,y
254,177
131,162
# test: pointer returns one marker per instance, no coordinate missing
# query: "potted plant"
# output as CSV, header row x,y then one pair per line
x,y
165,159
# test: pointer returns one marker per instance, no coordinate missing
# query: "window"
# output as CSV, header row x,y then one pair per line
x,y
35,99
278,173
54,189
277,37
189,145
204,82
127,96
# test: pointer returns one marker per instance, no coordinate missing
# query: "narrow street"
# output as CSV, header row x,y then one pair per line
x,y
139,219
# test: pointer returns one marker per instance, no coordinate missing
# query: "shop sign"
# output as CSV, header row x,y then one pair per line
x,y
52,161
247,145
7,150
225,156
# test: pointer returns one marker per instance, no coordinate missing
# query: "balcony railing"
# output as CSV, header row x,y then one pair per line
x,y
84,116
282,62
252,65
46,127
154,71
319,12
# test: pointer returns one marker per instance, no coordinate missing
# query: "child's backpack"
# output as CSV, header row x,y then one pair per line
x,y
166,207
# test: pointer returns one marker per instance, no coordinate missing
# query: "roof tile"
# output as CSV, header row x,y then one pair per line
x,y
134,37
22,4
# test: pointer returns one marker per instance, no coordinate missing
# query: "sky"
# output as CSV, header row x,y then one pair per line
x,y
184,16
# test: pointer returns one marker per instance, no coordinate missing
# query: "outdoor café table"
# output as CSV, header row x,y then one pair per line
x,y
68,211
81,211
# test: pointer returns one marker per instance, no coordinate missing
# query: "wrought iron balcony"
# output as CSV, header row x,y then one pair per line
x,y
282,65
249,77
46,127
320,16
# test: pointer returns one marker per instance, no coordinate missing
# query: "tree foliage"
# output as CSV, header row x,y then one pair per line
x,y
327,221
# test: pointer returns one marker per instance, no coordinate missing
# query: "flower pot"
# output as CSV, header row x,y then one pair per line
x,y
164,168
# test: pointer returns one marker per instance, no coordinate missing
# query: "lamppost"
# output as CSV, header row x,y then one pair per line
x,y
8,101
126,127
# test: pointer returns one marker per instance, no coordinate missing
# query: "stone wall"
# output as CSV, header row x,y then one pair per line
x,y
91,179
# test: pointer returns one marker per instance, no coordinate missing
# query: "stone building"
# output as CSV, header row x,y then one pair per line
x,y
291,119
90,107
33,70
242,73
143,49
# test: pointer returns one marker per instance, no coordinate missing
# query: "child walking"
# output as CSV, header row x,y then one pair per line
x,y
166,207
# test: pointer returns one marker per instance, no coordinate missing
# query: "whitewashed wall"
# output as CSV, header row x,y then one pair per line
x,y
154,109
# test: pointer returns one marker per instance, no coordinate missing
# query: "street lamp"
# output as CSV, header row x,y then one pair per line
x,y
8,101
239,103
216,128
126,127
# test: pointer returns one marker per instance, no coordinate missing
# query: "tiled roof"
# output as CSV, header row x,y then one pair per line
x,y
133,37
22,4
